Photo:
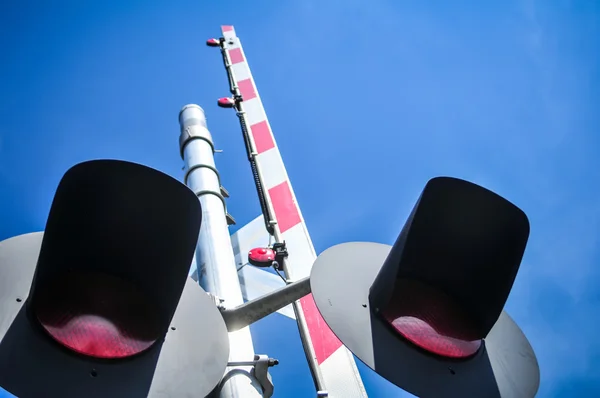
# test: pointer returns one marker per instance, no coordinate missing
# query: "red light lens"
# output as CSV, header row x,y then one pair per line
x,y
213,42
431,320
261,257
226,102
97,315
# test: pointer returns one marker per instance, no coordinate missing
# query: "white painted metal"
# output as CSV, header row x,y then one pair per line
x,y
214,254
334,371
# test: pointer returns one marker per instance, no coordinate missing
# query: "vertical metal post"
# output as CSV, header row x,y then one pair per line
x,y
217,273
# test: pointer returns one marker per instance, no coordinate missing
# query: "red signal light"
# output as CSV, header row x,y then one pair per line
x,y
97,315
213,42
226,102
431,320
261,257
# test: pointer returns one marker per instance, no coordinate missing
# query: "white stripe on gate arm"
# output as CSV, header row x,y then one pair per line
x,y
336,363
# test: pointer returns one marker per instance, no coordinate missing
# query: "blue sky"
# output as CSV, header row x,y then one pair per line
x,y
368,100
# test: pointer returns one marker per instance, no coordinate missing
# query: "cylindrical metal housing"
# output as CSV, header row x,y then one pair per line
x,y
217,272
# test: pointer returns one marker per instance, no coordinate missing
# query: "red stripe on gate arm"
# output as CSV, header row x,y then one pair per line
x,y
247,89
236,56
226,28
286,211
325,343
262,136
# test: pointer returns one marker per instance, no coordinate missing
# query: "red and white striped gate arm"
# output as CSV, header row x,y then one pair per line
x,y
336,364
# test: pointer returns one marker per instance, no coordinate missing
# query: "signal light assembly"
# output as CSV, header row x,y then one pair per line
x,y
87,293
427,313
104,291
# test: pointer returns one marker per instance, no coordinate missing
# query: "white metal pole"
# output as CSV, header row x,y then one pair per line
x,y
217,272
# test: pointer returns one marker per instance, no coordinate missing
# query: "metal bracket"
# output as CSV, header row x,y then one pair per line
x,y
230,219
251,311
217,300
260,370
224,191
280,253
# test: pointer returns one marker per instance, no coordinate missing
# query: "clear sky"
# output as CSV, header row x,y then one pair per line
x,y
367,99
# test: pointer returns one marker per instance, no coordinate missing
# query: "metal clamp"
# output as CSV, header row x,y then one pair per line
x,y
280,253
251,311
217,300
260,371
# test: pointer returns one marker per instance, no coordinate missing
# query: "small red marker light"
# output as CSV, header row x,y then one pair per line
x,y
213,42
431,320
226,102
261,257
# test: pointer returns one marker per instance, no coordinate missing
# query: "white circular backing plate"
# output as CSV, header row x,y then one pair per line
x,y
191,361
340,280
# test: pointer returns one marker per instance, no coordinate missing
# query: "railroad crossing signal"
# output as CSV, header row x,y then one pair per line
x,y
427,314
100,303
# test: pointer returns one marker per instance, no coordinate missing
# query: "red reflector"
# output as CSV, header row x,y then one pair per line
x,y
226,102
261,257
431,320
213,43
97,315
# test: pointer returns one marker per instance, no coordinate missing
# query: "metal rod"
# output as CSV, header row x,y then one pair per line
x,y
252,311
